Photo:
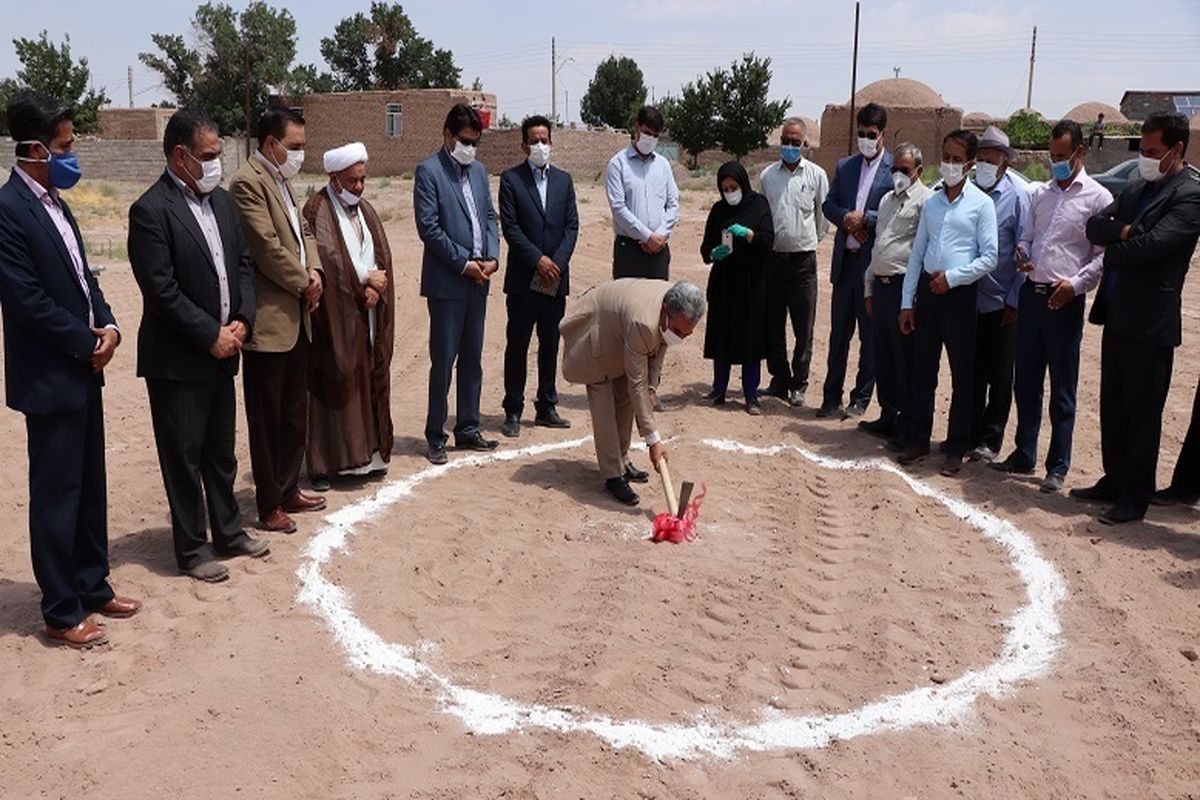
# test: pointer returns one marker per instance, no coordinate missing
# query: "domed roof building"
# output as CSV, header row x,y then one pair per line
x,y
1085,113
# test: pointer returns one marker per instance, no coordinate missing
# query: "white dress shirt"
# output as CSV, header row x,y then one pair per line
x,y
285,191
866,177
202,210
642,195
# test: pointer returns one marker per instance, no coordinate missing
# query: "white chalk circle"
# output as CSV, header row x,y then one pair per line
x,y
1029,648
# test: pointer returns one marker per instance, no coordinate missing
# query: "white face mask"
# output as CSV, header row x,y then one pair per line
x,y
952,174
986,175
901,182
463,153
672,338
646,143
1150,168
539,154
291,166
868,147
734,197
349,198
211,178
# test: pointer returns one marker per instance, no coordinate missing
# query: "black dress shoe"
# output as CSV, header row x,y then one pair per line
x,y
512,426
896,444
550,419
1013,465
1174,497
476,442
912,454
635,475
619,489
1098,493
777,391
437,454
828,409
883,428
1120,514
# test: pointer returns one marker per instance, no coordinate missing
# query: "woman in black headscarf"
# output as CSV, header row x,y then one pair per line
x,y
736,330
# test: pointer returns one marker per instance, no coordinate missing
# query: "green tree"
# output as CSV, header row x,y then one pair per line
x,y
382,50
615,93
690,118
743,115
178,64
50,69
1027,130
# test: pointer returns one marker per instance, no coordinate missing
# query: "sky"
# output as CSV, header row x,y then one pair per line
x,y
975,54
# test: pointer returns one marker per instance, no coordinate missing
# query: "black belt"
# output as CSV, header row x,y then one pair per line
x,y
791,256
1041,288
886,280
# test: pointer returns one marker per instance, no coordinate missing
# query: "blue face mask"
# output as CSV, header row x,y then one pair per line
x,y
65,171
790,154
1061,170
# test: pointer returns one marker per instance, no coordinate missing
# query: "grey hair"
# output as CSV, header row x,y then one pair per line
x,y
687,299
908,147
797,122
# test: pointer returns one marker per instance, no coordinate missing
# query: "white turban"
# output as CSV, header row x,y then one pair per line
x,y
340,158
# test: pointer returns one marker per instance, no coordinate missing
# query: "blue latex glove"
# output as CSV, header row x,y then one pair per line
x,y
740,231
720,252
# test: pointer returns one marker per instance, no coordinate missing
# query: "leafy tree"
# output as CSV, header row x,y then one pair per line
x,y
178,65
49,68
743,114
384,51
615,93
690,117
1027,130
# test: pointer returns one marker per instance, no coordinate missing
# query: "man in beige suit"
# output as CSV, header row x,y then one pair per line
x,y
288,281
614,339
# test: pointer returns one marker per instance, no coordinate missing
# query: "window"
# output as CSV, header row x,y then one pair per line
x,y
394,120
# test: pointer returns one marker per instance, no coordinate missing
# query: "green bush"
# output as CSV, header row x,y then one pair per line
x,y
1027,130
1037,171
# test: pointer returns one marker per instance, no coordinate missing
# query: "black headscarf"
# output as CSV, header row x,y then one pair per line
x,y
732,169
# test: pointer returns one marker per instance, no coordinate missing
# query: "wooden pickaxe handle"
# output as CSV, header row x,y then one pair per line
x,y
668,487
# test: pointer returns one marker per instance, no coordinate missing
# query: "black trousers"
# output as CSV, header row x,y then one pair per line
x,y
528,311
893,355
791,291
275,386
1134,380
630,261
946,320
848,309
455,351
194,427
995,359
68,510
1186,478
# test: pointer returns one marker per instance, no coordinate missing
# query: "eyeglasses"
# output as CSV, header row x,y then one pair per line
x,y
868,135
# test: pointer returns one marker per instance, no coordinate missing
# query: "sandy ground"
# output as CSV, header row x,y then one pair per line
x,y
809,591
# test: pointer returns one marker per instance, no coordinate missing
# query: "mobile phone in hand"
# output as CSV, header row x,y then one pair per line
x,y
727,238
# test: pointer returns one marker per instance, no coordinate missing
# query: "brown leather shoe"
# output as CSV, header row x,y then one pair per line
x,y
277,522
83,636
300,502
120,607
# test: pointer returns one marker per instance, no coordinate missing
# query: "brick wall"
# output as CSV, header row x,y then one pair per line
x,y
134,123
134,161
924,127
335,119
582,153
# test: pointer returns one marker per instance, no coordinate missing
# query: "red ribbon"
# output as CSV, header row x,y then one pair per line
x,y
670,528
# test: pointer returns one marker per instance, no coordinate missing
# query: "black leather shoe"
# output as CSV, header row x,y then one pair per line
x,y
512,426
437,454
1098,493
619,489
1120,514
550,419
635,475
1173,497
828,410
1013,465
476,442
896,444
912,454
883,428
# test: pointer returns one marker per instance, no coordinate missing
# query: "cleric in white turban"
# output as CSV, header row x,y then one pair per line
x,y
349,413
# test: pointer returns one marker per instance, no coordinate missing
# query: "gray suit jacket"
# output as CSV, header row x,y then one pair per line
x,y
444,225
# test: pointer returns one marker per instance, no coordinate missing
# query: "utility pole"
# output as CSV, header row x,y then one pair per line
x,y
853,84
553,81
567,105
246,80
130,77
1032,58
896,70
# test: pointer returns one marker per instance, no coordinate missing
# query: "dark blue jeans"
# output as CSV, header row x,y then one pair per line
x,y
1047,340
751,377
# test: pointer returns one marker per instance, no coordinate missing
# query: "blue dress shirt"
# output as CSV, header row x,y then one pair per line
x,y
1001,287
958,238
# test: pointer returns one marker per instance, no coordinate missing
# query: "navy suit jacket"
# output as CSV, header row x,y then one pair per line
x,y
445,227
532,231
47,341
842,198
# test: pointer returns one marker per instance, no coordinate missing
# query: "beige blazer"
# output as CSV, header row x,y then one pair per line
x,y
612,330
279,277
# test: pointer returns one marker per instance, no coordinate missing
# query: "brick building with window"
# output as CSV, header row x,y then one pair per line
x,y
400,128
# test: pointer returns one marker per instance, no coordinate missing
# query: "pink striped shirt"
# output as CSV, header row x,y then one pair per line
x,y
1054,233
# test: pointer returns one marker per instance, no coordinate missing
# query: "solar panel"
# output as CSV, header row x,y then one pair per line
x,y
1188,105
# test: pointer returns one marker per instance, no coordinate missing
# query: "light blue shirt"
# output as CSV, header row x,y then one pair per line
x,y
464,180
539,180
642,195
958,238
1002,286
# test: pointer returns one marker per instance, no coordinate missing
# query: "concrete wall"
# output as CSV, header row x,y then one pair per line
x,y
134,161
583,153
924,127
335,119
134,123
